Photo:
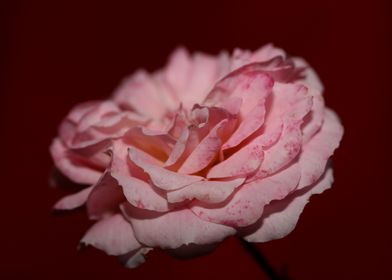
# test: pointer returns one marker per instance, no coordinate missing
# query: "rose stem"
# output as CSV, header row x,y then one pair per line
x,y
261,260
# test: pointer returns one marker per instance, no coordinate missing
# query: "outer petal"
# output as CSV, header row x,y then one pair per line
x,y
77,172
246,207
104,197
317,151
74,200
192,77
114,235
280,217
174,229
161,177
207,191
297,105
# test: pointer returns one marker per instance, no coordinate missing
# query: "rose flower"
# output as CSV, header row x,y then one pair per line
x,y
206,148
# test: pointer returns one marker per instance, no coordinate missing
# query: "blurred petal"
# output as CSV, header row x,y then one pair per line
x,y
74,200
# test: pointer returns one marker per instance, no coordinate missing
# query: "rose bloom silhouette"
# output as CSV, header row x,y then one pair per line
x,y
206,148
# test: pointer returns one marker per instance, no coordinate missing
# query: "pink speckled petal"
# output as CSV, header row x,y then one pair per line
x,y
140,194
281,216
317,151
104,197
246,207
73,201
253,87
161,177
242,163
113,234
76,171
290,142
174,229
314,120
205,152
207,191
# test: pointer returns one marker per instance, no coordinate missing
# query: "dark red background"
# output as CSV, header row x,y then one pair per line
x,y
55,54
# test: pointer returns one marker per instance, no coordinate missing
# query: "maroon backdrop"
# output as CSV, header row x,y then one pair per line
x,y
55,54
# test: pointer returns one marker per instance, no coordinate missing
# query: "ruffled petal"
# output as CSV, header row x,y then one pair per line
x,y
207,191
113,234
205,152
317,151
76,171
139,93
290,143
245,161
246,207
174,229
281,216
140,194
161,177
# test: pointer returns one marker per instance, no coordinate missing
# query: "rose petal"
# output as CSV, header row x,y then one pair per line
x,y
246,207
156,144
253,87
314,120
281,216
140,93
289,145
77,172
246,161
317,151
207,191
174,229
161,177
140,194
94,115
73,201
205,152
104,198
113,234
192,77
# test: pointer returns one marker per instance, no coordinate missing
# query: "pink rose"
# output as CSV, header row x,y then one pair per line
x,y
206,148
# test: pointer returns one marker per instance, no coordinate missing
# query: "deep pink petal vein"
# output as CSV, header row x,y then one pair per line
x,y
203,149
